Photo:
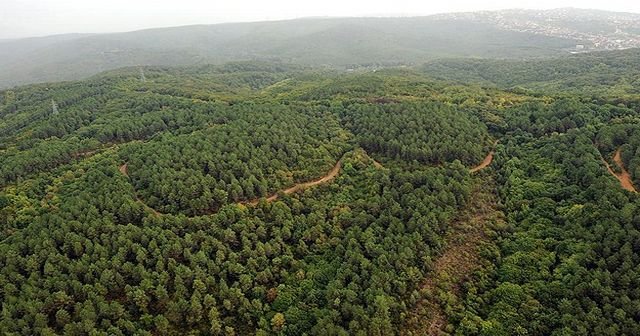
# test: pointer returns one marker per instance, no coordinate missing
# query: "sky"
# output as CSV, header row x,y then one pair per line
x,y
25,18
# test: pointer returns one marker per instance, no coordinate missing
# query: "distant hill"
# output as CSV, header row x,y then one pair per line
x,y
335,42
611,72
339,42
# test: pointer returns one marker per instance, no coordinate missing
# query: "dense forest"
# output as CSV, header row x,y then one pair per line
x,y
615,73
270,199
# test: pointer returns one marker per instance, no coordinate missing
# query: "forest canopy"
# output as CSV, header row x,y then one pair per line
x,y
268,199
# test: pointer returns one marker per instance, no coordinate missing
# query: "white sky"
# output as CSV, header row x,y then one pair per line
x,y
22,18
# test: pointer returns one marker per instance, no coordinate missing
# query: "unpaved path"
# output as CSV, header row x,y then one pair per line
x,y
460,258
330,176
301,186
486,162
624,177
298,187
85,153
124,170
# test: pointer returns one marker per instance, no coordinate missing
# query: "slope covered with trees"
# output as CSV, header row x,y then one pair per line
x,y
623,136
267,148
139,205
170,247
569,264
339,42
613,74
430,133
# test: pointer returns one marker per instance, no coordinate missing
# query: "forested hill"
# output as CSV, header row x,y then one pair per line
x,y
270,199
613,73
319,41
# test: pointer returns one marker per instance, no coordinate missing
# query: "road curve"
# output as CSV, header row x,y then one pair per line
x,y
486,162
624,177
301,186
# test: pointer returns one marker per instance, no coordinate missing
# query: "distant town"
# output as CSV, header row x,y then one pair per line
x,y
593,30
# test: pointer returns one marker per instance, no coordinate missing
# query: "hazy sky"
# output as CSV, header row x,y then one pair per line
x,y
21,18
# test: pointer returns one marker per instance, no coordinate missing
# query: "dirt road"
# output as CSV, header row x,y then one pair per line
x,y
301,186
298,187
123,170
624,177
486,162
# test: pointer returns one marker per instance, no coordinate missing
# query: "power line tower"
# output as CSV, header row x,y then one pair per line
x,y
54,107
142,77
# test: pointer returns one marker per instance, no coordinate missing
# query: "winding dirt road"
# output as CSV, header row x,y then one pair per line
x,y
377,164
486,162
125,171
296,188
624,177
301,186
305,185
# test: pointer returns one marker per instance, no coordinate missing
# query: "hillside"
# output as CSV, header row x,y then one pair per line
x,y
336,42
272,199
615,73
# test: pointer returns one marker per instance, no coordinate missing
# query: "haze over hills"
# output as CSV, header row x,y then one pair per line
x,y
341,42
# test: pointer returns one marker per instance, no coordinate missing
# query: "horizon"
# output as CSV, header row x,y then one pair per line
x,y
7,35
